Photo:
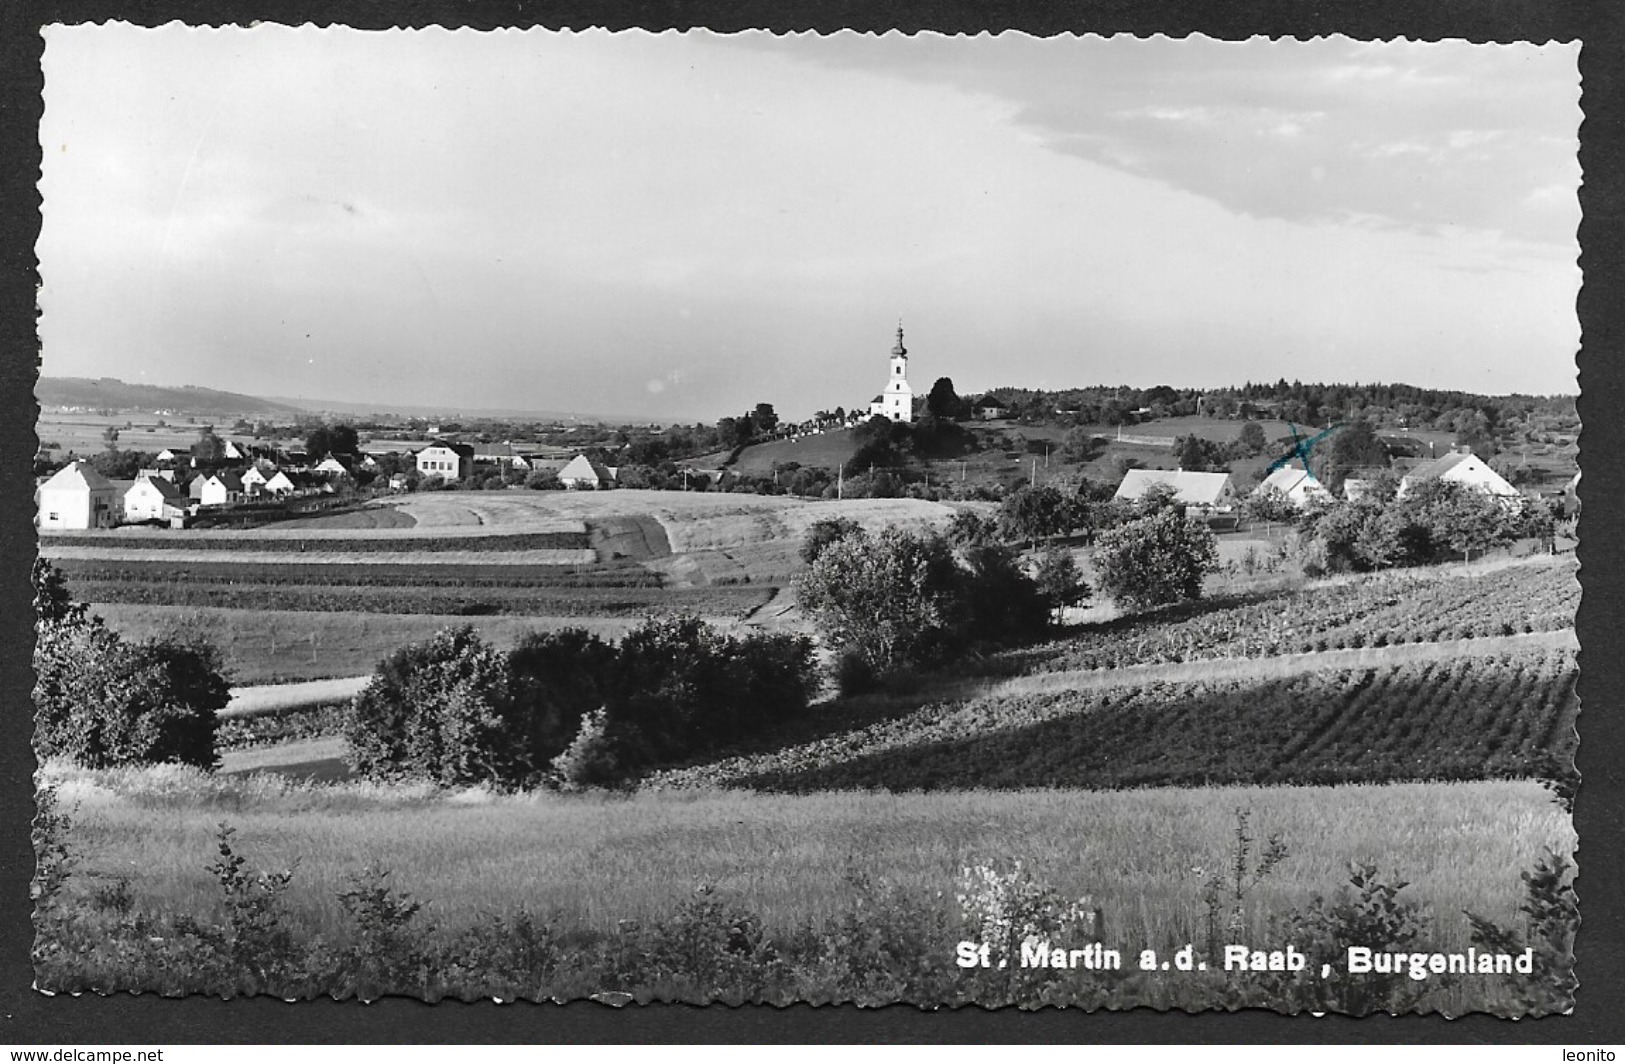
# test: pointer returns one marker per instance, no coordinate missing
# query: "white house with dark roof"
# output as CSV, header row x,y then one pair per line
x,y
582,472
1296,484
446,460
153,498
1210,491
988,408
221,489
1459,467
78,497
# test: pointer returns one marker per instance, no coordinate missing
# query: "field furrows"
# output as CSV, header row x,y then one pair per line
x,y
1440,719
1370,612
572,535
379,570
456,599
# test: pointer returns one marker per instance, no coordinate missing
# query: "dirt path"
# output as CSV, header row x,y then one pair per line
x,y
271,698
1281,665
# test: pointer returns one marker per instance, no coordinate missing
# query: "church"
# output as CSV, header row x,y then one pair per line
x,y
897,401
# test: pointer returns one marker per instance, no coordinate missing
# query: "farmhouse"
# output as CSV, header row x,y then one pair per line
x,y
1461,467
1297,484
1209,491
988,408
284,483
77,497
335,465
897,401
583,472
221,489
153,498
446,460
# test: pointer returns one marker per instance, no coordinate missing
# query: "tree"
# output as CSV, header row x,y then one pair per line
x,y
1270,505
332,439
209,447
441,710
892,599
110,438
1252,441
1031,514
1059,583
764,419
1155,560
1354,446
103,701
968,528
943,401
825,532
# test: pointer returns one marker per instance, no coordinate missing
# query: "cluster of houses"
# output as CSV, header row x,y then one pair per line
x,y
454,462
177,488
1214,493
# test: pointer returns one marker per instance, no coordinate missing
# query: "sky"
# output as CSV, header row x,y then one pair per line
x,y
677,227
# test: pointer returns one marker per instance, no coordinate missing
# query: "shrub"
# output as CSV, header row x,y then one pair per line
x,y
824,532
1551,915
557,678
102,701
894,598
440,710
590,760
1155,560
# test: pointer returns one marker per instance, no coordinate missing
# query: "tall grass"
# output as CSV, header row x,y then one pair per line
x,y
600,859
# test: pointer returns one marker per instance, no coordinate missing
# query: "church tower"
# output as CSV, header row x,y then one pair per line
x,y
897,401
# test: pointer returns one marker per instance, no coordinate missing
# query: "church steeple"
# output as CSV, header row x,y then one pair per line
x,y
899,351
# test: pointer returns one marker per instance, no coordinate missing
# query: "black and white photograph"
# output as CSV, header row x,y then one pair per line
x,y
735,518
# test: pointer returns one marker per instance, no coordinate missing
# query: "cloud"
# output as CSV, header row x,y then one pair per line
x,y
1426,134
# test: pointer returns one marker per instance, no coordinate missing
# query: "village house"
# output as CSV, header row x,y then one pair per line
x,y
283,483
448,461
1461,466
583,473
254,478
1296,484
221,489
500,454
987,408
1212,492
77,497
335,465
154,498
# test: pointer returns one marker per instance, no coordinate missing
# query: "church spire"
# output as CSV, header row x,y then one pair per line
x,y
899,351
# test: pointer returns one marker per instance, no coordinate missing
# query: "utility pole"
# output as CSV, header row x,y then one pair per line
x,y
1035,473
962,472
840,481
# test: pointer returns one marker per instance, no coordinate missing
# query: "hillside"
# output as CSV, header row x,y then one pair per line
x,y
108,393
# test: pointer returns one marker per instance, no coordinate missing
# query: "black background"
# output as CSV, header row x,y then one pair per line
x,y
27,1016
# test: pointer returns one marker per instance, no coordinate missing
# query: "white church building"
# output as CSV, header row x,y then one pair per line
x,y
897,401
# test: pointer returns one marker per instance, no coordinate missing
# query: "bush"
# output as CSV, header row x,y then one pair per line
x,y
557,678
895,598
440,710
823,533
591,759
101,701
1156,560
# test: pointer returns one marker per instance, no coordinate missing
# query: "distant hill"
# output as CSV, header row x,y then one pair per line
x,y
107,393
333,406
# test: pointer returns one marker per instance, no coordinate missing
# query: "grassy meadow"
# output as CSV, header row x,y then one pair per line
x,y
594,860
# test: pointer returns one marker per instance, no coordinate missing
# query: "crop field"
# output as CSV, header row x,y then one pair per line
x,y
264,646
1540,595
588,861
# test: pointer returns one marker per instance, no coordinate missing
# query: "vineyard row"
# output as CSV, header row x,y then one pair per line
x,y
523,601
1507,716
